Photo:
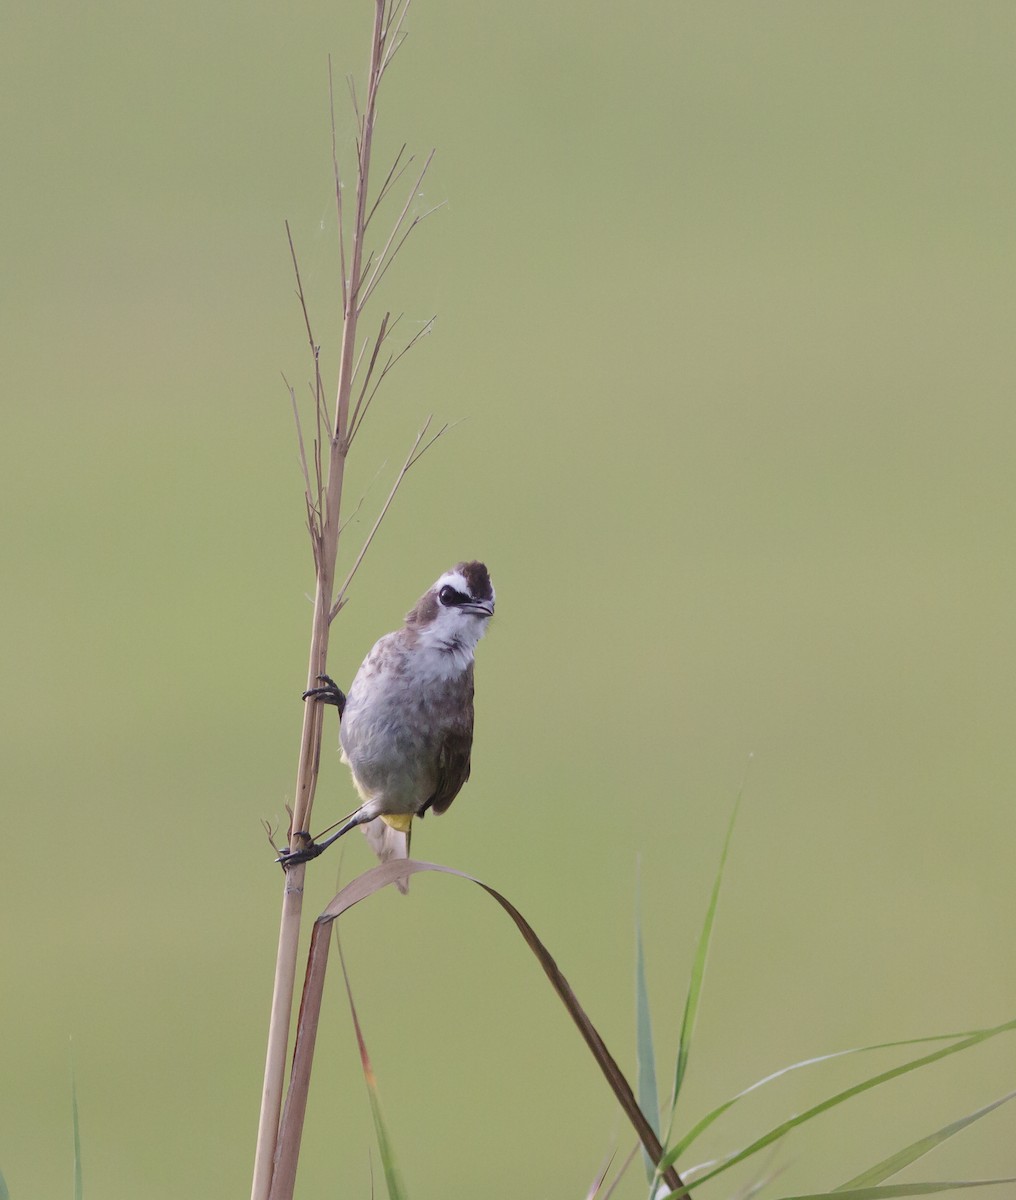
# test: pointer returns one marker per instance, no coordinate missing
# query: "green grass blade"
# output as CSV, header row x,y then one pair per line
x,y
883,1077
699,969
701,1126
79,1186
384,1143
891,1190
903,1158
645,1080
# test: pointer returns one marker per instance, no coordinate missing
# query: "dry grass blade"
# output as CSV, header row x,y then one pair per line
x,y
372,881
287,1152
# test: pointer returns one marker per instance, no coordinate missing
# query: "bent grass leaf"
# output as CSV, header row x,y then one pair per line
x,y
903,1158
703,1124
848,1093
400,870
891,1190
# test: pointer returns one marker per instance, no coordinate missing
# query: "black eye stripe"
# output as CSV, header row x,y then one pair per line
x,y
450,597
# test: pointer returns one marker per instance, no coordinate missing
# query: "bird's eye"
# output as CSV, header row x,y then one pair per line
x,y
450,596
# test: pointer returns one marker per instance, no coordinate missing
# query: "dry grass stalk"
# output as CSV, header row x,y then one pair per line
x,y
323,473
353,893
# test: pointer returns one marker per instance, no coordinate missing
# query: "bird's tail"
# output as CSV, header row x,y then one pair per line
x,y
388,843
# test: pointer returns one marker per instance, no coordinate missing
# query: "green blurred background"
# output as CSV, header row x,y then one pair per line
x,y
726,295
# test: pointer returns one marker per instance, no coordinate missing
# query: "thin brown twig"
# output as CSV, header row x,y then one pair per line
x,y
299,439
395,36
379,274
389,328
393,8
354,424
299,284
363,497
440,433
313,506
412,458
316,459
359,357
356,511
338,187
361,298
382,333
392,179
396,47
313,514
321,419
367,266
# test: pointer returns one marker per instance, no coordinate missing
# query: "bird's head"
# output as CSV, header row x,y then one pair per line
x,y
453,614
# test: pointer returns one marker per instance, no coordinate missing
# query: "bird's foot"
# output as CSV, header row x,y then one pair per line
x,y
289,858
329,693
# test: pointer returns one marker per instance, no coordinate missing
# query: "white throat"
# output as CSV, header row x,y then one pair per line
x,y
445,646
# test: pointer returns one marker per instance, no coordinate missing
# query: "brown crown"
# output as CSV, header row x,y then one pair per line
x,y
476,575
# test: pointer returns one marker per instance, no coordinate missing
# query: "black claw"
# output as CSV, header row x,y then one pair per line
x,y
289,858
331,693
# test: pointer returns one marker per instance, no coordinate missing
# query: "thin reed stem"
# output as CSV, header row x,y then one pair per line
x,y
323,498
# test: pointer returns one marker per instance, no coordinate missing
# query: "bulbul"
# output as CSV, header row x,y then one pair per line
x,y
406,727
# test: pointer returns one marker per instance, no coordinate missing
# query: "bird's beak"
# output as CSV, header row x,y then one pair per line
x,y
478,609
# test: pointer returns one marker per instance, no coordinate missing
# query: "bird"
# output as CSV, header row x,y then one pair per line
x,y
406,726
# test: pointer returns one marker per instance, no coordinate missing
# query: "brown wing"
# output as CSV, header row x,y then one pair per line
x,y
452,766
454,751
